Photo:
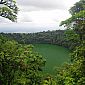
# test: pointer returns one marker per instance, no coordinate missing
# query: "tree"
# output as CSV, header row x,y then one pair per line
x,y
19,65
48,37
8,9
74,73
77,20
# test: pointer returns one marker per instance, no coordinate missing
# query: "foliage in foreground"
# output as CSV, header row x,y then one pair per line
x,y
74,72
8,9
19,65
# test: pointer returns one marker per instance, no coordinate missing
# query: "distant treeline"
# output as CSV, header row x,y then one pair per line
x,y
46,37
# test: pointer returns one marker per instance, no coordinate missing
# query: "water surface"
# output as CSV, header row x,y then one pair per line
x,y
55,55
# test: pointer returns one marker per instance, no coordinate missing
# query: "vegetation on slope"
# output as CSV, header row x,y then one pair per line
x,y
56,37
19,65
74,73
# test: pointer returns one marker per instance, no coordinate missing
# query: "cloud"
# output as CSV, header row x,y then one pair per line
x,y
38,15
28,27
43,16
43,4
42,10
24,17
26,8
4,20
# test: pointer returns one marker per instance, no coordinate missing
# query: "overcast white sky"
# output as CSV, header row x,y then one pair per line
x,y
38,15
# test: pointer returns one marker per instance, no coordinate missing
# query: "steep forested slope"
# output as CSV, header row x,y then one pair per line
x,y
56,37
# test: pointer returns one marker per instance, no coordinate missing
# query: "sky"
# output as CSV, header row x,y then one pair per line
x,y
38,15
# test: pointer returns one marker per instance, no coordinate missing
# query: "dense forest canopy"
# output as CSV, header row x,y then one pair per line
x,y
19,64
56,37
50,37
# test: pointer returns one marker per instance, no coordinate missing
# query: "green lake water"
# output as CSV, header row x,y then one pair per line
x,y
54,55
